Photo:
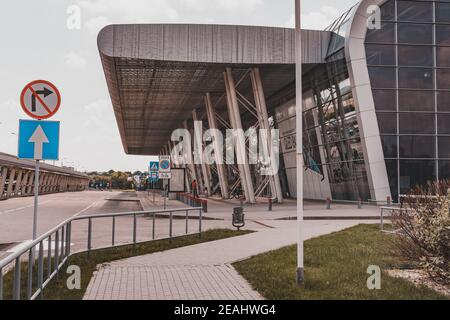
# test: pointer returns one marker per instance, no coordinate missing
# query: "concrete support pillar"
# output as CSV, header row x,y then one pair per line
x,y
12,175
41,182
212,121
30,183
236,123
23,187
263,118
18,186
3,176
198,139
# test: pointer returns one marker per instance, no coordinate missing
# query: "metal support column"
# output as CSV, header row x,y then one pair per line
x,y
188,158
236,123
218,153
198,145
263,118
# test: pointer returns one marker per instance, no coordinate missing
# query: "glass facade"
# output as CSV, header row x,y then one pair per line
x,y
409,69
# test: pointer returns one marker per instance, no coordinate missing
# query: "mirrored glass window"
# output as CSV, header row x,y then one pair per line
x,y
380,54
415,11
381,77
385,100
410,33
384,35
415,78
417,123
443,101
415,56
444,147
443,35
442,12
416,100
417,147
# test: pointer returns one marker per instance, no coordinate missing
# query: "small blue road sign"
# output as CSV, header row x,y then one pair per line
x,y
154,177
154,166
38,140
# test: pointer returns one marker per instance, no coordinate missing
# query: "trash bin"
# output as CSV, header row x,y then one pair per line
x,y
238,217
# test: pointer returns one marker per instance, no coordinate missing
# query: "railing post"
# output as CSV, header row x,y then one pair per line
x,y
170,225
1,284
16,284
200,223
57,253
113,240
187,221
41,268
49,256
153,230
381,220
63,229
30,273
68,238
134,231
89,236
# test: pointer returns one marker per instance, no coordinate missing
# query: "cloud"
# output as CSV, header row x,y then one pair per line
x,y
95,24
102,12
317,20
74,61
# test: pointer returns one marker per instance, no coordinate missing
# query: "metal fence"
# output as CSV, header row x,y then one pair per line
x,y
192,201
43,267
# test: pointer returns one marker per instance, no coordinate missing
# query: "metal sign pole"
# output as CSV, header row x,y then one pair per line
x,y
36,196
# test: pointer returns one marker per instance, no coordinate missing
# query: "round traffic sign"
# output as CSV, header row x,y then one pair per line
x,y
40,99
165,164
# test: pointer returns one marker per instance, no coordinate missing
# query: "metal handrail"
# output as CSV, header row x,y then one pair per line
x,y
62,235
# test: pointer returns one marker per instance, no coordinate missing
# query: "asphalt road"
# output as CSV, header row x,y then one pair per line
x,y
16,214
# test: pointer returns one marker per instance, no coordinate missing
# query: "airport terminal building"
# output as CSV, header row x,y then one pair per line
x,y
376,103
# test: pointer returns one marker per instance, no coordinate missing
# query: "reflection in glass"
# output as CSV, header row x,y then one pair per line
x,y
417,147
384,35
415,11
443,121
417,123
416,172
385,100
415,78
415,55
416,100
382,77
411,33
443,101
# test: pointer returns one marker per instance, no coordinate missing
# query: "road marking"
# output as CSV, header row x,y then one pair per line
x,y
22,208
87,208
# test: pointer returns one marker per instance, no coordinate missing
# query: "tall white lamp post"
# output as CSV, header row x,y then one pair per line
x,y
299,117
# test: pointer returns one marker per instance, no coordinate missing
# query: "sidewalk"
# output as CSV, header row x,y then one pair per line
x,y
314,210
200,271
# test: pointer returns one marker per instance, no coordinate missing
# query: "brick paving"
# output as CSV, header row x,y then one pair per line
x,y
199,272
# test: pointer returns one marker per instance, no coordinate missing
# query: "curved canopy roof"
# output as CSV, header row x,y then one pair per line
x,y
157,74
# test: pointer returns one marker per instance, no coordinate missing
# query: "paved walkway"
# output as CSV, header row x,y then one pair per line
x,y
200,271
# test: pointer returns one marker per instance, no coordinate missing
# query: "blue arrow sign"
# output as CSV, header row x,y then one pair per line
x,y
38,140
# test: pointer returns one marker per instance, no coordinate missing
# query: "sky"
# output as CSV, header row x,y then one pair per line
x,y
36,43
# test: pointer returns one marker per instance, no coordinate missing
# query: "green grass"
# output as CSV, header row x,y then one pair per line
x,y
57,289
335,268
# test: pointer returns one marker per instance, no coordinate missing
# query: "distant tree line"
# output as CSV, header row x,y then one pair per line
x,y
115,179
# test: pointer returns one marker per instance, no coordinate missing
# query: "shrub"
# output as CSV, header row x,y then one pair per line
x,y
424,230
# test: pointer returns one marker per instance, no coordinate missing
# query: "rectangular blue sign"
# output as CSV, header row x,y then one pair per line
x,y
38,140
154,166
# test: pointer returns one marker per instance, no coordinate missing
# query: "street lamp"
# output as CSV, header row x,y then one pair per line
x,y
299,123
